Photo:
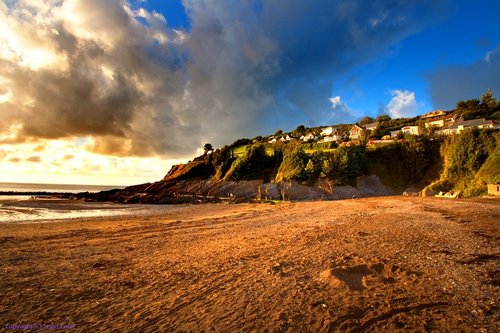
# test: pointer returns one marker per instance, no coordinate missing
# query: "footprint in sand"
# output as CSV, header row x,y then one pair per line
x,y
359,277
350,276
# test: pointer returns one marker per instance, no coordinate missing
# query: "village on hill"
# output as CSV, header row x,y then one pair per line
x,y
482,114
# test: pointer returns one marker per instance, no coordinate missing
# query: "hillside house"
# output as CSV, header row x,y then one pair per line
x,y
494,189
330,138
443,121
395,133
307,137
371,126
328,131
287,138
356,132
434,114
460,126
412,130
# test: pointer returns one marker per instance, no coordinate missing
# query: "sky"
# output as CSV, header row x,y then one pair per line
x,y
116,92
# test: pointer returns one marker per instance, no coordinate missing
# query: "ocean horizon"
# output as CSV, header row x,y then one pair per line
x,y
19,208
60,188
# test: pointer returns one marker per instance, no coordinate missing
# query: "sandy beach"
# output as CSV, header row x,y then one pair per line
x,y
378,264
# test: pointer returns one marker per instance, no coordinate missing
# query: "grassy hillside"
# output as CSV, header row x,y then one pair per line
x,y
415,162
470,161
464,162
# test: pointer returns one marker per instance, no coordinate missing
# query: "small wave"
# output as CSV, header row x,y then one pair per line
x,y
31,215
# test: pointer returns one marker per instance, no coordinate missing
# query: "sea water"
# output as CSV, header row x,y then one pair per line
x,y
60,188
28,209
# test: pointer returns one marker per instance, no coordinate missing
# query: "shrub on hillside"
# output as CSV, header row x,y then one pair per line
x,y
250,165
222,159
415,156
293,165
240,142
314,166
344,165
464,154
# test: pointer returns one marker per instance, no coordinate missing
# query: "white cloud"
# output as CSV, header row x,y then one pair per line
x,y
342,112
335,101
487,57
374,21
402,104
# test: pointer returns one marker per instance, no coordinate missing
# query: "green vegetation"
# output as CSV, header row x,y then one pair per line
x,y
464,162
471,160
242,150
487,106
344,165
416,161
208,148
239,151
254,164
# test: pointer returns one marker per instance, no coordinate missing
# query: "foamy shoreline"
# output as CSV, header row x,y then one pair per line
x,y
44,210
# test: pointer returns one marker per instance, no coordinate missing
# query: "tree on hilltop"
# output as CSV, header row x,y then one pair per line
x,y
208,148
300,130
365,120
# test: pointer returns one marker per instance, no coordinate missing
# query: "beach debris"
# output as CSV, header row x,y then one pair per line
x,y
277,268
98,265
320,303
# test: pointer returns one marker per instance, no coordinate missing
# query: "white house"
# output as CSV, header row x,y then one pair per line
x,y
460,126
307,137
330,138
443,121
412,130
395,133
287,138
371,126
355,132
328,131
434,114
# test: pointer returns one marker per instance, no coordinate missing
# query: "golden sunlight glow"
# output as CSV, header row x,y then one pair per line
x,y
19,43
6,97
10,133
67,161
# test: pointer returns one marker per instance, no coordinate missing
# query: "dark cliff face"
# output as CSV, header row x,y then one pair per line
x,y
195,169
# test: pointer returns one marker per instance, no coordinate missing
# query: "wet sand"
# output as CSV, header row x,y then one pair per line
x,y
377,264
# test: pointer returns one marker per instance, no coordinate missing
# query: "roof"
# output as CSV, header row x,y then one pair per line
x,y
448,116
472,122
433,114
359,128
334,127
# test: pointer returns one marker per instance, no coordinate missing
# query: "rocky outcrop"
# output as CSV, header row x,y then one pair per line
x,y
209,190
371,186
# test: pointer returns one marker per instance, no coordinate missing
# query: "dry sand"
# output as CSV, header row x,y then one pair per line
x,y
378,264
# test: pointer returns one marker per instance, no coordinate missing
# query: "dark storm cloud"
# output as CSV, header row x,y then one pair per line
x,y
276,60
141,88
449,85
